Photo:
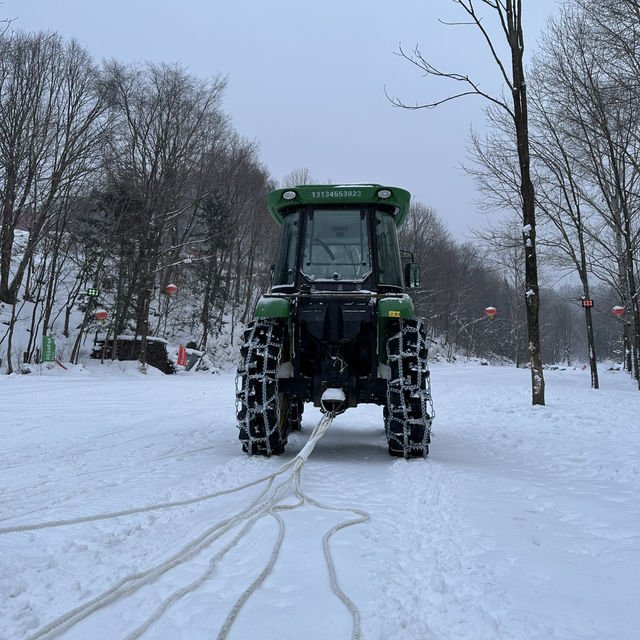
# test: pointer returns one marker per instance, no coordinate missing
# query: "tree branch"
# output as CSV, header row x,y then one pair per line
x,y
429,70
470,10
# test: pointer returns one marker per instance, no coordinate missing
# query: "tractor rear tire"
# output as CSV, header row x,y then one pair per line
x,y
409,410
258,403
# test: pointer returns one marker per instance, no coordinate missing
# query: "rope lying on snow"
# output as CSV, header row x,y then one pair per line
x,y
267,503
363,516
130,512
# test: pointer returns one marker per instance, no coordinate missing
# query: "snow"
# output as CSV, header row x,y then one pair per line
x,y
333,394
129,338
355,184
522,524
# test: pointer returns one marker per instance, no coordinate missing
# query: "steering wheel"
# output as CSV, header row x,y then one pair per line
x,y
325,246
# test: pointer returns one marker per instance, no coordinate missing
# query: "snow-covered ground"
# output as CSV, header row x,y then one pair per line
x,y
524,523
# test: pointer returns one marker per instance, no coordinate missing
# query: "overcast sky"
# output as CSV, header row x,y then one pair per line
x,y
307,80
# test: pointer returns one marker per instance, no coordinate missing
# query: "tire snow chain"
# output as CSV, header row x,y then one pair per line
x,y
259,368
413,381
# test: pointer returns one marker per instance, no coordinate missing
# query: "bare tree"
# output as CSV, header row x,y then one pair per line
x,y
457,284
50,136
589,114
164,120
508,14
298,177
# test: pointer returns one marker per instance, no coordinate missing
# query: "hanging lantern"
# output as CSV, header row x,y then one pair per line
x,y
101,315
171,289
617,311
491,311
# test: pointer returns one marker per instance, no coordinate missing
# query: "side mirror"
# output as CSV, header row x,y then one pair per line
x,y
412,275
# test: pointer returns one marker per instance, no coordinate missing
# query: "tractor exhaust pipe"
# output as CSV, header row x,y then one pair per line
x,y
333,401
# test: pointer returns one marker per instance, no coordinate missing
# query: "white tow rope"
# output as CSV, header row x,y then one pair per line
x,y
268,503
296,473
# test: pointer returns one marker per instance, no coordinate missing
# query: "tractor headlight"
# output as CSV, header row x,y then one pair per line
x,y
289,195
384,194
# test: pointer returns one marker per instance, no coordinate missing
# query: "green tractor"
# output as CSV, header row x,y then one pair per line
x,y
337,328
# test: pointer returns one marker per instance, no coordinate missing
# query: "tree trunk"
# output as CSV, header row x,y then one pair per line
x,y
6,295
593,361
10,339
532,295
205,317
633,296
591,342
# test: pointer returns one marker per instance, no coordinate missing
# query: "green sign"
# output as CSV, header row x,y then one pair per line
x,y
48,349
93,292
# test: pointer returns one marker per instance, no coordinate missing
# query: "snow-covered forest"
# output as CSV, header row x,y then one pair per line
x,y
126,178
133,212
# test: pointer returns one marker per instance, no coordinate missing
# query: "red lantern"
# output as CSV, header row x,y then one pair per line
x,y
101,315
491,311
171,289
617,311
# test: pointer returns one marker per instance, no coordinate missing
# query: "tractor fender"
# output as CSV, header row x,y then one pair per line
x,y
272,307
395,307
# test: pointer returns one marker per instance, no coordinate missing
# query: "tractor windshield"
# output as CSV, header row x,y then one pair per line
x,y
336,246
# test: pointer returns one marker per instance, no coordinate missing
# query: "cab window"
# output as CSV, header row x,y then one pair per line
x,y
336,246
389,267
285,268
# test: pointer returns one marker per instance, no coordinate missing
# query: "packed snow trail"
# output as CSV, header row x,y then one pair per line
x,y
521,525
268,503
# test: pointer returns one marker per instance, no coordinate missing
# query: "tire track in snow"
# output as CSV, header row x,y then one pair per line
x,y
421,583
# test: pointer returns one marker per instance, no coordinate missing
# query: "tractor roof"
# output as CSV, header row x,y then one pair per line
x,y
340,194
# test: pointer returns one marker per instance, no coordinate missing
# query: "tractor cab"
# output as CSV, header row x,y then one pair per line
x,y
338,239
